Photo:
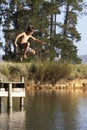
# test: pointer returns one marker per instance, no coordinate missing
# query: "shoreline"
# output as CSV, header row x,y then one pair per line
x,y
72,84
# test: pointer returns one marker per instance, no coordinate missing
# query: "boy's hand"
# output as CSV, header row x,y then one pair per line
x,y
44,42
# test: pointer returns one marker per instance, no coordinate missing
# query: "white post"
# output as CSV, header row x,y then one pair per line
x,y
10,95
0,101
22,79
21,101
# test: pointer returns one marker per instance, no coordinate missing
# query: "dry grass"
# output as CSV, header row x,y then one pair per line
x,y
41,72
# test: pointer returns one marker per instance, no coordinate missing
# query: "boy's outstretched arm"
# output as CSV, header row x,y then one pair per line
x,y
37,40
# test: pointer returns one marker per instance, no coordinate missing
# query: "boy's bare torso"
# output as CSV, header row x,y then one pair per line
x,y
25,37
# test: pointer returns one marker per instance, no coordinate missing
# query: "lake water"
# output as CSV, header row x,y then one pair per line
x,y
46,110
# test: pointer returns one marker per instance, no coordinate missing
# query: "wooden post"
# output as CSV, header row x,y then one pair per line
x,y
0,104
22,79
1,79
10,95
2,82
21,101
0,101
22,98
7,91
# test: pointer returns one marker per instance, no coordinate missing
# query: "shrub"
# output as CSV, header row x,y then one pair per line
x,y
79,71
50,72
35,72
4,68
56,71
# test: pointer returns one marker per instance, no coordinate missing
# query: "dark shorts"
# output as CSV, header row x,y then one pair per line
x,y
23,45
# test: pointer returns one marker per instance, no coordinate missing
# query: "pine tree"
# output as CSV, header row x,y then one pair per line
x,y
20,14
69,33
42,14
2,14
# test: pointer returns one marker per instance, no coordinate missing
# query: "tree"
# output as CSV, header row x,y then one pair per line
x,y
2,14
20,14
69,34
42,14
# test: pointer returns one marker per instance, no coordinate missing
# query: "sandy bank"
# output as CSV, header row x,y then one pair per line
x,y
72,84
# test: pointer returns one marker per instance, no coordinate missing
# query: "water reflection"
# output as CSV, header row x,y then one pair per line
x,y
47,110
55,110
11,119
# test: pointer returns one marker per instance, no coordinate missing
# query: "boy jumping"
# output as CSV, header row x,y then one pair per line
x,y
24,44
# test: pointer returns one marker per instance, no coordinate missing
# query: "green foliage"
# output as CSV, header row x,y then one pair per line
x,y
55,71
35,72
13,69
42,14
50,72
79,71
4,69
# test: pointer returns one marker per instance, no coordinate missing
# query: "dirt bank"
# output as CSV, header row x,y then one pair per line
x,y
72,84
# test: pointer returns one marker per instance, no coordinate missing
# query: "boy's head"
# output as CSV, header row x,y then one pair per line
x,y
30,29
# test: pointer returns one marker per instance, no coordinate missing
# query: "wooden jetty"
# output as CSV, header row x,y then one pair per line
x,y
12,89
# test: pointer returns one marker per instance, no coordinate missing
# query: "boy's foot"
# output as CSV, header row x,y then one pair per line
x,y
21,59
25,57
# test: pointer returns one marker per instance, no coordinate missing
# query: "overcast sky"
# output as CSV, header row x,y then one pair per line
x,y
82,28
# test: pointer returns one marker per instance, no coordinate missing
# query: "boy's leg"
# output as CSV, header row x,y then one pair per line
x,y
22,55
31,51
25,49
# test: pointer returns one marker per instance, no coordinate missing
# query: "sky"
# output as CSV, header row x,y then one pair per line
x,y
82,29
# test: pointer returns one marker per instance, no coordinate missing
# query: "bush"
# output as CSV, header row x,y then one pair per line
x,y
38,72
48,72
4,68
79,71
56,71
35,72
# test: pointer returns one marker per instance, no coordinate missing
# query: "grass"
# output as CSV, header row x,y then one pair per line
x,y
41,72
79,71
